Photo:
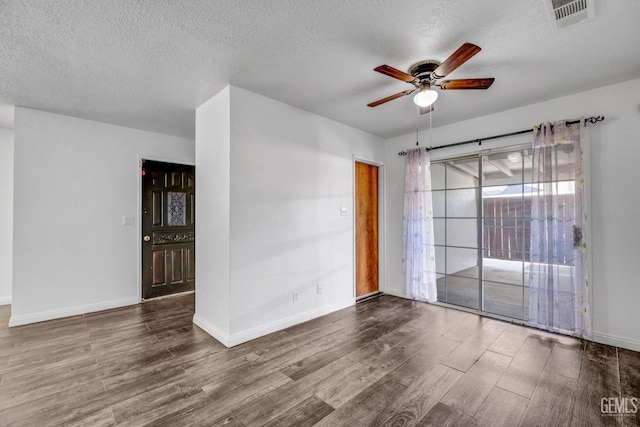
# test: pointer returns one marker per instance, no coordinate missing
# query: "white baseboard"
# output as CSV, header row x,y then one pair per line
x,y
211,329
26,319
278,325
617,341
5,300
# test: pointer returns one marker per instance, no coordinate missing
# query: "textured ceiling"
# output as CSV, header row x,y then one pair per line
x,y
149,64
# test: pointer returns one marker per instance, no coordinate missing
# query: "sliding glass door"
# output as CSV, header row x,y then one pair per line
x,y
482,216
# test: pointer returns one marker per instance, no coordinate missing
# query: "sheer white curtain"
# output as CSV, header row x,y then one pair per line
x,y
558,297
419,260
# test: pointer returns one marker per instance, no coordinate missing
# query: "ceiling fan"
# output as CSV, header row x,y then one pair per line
x,y
427,74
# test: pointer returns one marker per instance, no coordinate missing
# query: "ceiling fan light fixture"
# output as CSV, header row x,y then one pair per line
x,y
425,97
424,75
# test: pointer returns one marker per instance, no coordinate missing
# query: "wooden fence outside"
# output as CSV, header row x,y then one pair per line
x,y
507,229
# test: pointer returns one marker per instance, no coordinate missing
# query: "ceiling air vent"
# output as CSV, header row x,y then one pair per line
x,y
565,13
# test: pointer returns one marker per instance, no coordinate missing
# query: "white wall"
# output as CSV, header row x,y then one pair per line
x,y
291,171
615,202
74,182
6,214
213,175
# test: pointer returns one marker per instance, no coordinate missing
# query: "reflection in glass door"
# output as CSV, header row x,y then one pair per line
x,y
482,214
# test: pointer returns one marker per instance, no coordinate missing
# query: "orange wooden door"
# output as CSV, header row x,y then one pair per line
x,y
366,229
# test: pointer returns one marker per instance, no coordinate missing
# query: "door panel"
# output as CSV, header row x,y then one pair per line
x,y
176,266
158,268
157,208
190,262
366,216
168,229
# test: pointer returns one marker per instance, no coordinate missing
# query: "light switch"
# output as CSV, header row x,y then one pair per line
x,y
343,211
128,220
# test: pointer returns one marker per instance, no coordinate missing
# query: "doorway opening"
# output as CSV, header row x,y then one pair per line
x,y
168,229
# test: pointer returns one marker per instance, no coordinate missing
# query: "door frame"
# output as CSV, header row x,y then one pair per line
x,y
382,272
138,217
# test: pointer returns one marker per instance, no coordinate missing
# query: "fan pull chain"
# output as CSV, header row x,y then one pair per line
x,y
430,130
417,121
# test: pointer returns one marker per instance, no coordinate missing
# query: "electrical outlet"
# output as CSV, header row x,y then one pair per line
x,y
295,297
319,288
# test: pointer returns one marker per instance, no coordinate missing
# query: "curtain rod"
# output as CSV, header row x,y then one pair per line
x,y
504,135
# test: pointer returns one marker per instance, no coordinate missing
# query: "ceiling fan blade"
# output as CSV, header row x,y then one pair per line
x,y
466,84
390,98
426,110
395,73
457,58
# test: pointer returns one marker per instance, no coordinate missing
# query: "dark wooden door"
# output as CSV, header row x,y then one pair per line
x,y
366,229
168,229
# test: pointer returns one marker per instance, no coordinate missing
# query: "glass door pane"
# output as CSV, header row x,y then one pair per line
x,y
506,216
456,204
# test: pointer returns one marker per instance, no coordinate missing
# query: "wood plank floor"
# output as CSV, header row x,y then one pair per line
x,y
386,361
